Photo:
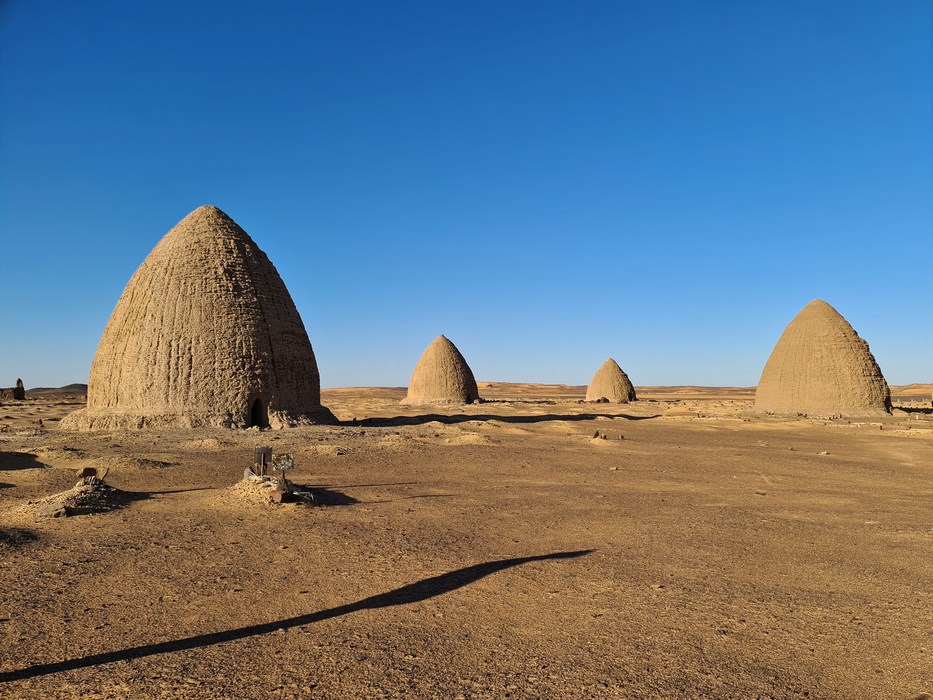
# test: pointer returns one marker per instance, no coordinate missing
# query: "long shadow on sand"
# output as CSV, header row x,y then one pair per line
x,y
916,409
326,496
362,486
108,501
412,593
15,537
19,460
396,421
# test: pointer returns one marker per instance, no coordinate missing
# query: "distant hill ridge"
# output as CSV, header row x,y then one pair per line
x,y
69,389
920,389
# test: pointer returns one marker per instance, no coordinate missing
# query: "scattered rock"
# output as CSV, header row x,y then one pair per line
x,y
52,510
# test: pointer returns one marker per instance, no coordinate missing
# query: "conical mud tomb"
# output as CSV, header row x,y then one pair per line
x,y
441,376
205,334
610,384
821,367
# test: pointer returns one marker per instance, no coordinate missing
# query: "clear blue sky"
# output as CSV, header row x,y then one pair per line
x,y
547,183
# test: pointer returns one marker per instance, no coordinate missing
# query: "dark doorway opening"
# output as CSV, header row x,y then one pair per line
x,y
258,415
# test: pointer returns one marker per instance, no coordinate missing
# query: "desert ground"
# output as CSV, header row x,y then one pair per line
x,y
530,546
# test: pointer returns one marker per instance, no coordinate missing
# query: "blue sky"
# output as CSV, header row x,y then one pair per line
x,y
546,183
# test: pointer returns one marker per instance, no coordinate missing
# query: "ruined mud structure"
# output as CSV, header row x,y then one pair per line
x,y
15,393
441,376
205,333
821,367
610,384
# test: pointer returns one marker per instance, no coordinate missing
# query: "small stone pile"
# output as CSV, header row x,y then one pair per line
x,y
89,495
270,489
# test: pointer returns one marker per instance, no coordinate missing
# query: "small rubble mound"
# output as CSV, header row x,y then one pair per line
x,y
270,489
821,367
51,453
89,495
205,444
610,385
442,376
125,462
467,438
265,481
330,450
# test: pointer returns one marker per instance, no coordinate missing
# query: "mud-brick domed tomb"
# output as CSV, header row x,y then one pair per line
x,y
441,376
610,384
205,334
821,367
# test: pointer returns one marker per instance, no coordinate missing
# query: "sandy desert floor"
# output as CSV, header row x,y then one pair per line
x,y
692,550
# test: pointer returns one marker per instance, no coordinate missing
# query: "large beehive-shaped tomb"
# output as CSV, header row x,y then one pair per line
x,y
441,376
205,333
610,384
821,367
